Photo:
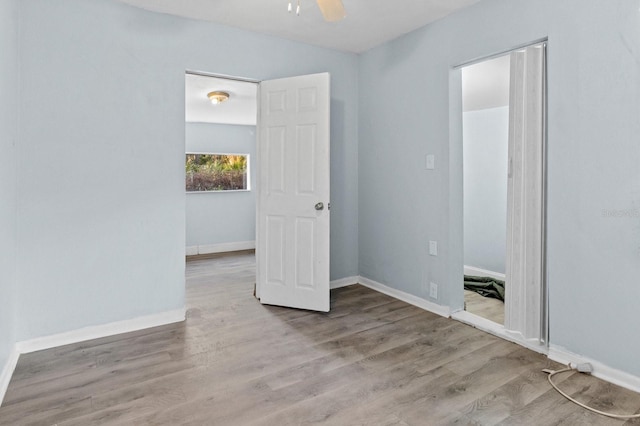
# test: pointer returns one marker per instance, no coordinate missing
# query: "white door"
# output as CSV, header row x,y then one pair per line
x,y
292,247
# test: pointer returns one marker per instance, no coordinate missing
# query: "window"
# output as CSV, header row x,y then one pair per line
x,y
217,172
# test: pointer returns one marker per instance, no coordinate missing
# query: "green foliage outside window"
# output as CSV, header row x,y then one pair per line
x,y
216,172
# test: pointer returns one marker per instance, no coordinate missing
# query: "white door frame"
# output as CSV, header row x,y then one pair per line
x,y
455,217
257,167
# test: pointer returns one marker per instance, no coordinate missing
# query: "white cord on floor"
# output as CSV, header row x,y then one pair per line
x,y
569,368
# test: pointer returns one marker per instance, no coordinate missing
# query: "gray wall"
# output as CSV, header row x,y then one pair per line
x,y
101,210
222,217
8,142
485,145
594,158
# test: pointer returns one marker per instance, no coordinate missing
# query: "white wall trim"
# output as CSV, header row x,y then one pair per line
x,y
478,272
344,282
600,370
444,311
7,372
220,248
498,330
98,331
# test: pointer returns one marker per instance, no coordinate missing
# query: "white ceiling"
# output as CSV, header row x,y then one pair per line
x,y
368,22
486,84
241,108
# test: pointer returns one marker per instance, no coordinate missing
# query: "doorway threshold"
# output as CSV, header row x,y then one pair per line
x,y
499,330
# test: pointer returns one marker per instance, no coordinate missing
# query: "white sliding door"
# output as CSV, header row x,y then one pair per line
x,y
525,296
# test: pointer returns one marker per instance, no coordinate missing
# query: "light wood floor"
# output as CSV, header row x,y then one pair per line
x,y
485,307
372,360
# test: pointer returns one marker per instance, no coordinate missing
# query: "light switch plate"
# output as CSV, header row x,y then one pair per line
x,y
431,162
433,248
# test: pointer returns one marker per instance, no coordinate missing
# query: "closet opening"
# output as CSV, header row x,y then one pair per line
x,y
502,158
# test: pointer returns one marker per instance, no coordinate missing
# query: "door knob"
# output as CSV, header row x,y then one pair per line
x,y
319,206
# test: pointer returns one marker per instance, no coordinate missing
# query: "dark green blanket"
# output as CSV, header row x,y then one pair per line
x,y
485,286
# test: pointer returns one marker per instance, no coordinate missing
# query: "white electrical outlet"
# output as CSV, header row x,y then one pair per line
x,y
431,162
433,290
433,248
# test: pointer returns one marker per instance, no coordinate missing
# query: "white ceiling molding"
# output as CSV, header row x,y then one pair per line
x,y
368,22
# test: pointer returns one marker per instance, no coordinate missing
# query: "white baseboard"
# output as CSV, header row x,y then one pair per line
x,y
600,370
7,372
444,311
477,272
344,282
498,330
220,248
98,331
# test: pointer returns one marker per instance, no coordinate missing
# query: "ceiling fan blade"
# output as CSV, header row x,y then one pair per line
x,y
332,10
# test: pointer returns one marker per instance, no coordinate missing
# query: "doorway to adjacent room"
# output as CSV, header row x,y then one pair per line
x,y
503,120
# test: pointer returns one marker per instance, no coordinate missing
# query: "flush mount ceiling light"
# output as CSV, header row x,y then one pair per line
x,y
218,97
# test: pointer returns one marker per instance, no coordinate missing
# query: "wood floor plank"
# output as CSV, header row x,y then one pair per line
x,y
485,307
551,408
498,405
372,360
